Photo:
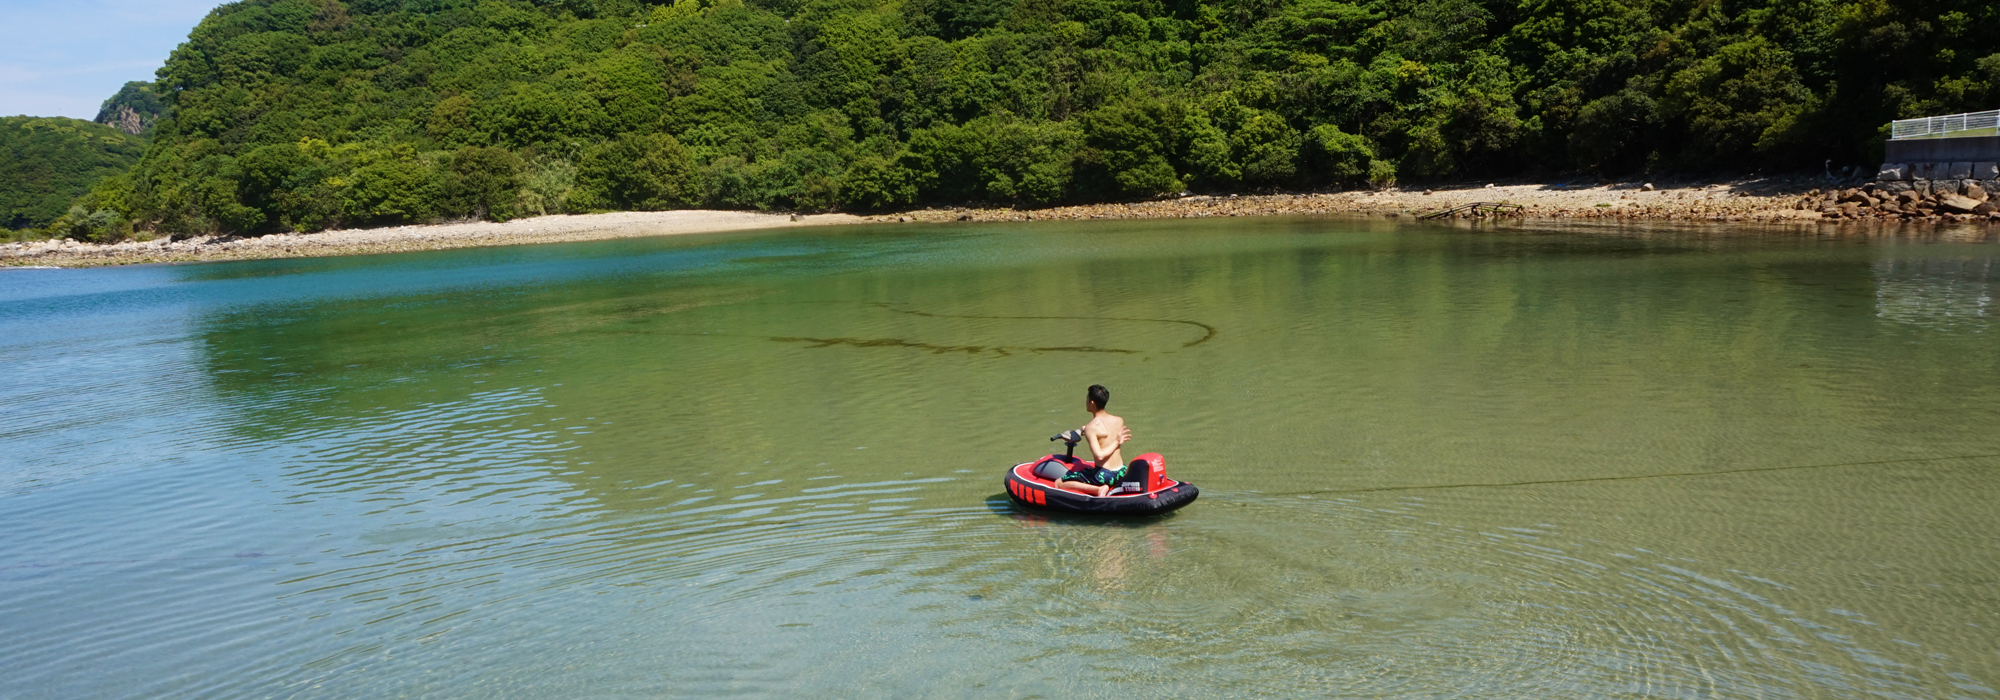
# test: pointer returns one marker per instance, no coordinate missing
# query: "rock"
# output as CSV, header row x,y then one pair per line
x,y
1973,191
1957,171
1926,171
1985,171
1648,187
1892,172
1489,185
1907,197
795,217
1957,204
1987,207
1850,195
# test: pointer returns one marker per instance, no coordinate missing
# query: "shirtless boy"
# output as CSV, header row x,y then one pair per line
x,y
1106,435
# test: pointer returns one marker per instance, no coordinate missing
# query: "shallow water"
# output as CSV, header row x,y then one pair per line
x,y
1434,461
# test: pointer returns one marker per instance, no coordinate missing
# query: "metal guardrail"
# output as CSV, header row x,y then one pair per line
x,y
1970,124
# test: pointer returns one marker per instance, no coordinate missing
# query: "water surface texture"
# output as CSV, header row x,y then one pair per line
x,y
1435,462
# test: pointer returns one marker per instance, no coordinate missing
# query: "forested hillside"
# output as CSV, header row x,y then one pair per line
x,y
46,162
133,110
304,114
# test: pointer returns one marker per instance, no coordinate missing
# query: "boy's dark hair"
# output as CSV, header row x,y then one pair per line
x,y
1098,395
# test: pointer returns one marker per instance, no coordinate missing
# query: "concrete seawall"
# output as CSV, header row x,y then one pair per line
x,y
1963,149
1956,160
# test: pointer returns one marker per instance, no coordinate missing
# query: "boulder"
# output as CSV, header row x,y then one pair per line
x,y
1973,191
1921,187
1892,172
1899,187
1926,171
1986,171
1957,171
1956,204
1907,197
1986,207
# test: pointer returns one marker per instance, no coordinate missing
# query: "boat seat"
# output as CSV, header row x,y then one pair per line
x,y
1051,469
1136,472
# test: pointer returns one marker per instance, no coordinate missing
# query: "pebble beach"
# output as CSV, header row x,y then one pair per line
x,y
1812,203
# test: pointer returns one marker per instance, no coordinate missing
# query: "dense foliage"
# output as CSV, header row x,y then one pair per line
x,y
304,114
133,110
47,162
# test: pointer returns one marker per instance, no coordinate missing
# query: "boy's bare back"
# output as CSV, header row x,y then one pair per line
x,y
1107,437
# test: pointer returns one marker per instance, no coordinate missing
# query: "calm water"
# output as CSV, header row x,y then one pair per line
x,y
1434,462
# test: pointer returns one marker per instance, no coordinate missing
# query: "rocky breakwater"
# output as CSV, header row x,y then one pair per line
x,y
1931,200
1749,200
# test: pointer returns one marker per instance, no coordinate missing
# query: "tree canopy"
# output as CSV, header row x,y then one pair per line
x,y
305,114
47,162
133,110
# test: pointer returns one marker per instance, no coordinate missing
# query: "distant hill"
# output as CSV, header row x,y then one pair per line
x,y
305,114
47,162
133,110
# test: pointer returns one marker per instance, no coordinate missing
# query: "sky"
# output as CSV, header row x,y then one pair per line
x,y
64,57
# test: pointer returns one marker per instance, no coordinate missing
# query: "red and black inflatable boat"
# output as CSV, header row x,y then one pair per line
x,y
1145,490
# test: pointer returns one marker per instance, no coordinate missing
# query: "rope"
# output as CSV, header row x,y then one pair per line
x,y
1433,487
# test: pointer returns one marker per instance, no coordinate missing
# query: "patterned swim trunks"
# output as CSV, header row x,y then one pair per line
x,y
1096,476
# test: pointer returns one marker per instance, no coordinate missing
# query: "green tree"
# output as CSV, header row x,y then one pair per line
x,y
482,183
636,171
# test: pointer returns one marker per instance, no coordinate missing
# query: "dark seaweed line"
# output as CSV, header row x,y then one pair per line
x,y
1672,475
939,349
1208,330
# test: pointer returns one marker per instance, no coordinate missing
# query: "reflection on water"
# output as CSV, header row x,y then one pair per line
x,y
1493,462
1941,293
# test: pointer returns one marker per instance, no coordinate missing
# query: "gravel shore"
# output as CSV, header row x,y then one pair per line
x,y
542,229
1799,200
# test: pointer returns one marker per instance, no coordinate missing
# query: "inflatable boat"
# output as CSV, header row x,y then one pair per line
x,y
1145,490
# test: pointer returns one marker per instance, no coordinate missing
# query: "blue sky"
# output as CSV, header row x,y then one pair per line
x,y
63,57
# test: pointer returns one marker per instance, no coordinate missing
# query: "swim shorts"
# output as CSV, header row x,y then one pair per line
x,y
1096,476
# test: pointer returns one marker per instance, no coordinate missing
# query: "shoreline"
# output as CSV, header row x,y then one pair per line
x,y
558,228
1794,200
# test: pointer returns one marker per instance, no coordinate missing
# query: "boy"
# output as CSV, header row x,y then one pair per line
x,y
1106,434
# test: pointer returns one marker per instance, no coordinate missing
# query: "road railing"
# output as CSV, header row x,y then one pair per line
x,y
1968,124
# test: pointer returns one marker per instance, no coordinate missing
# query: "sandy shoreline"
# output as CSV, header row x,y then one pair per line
x,y
542,229
1797,200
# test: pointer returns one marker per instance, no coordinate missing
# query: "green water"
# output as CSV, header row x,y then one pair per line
x,y
1434,462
